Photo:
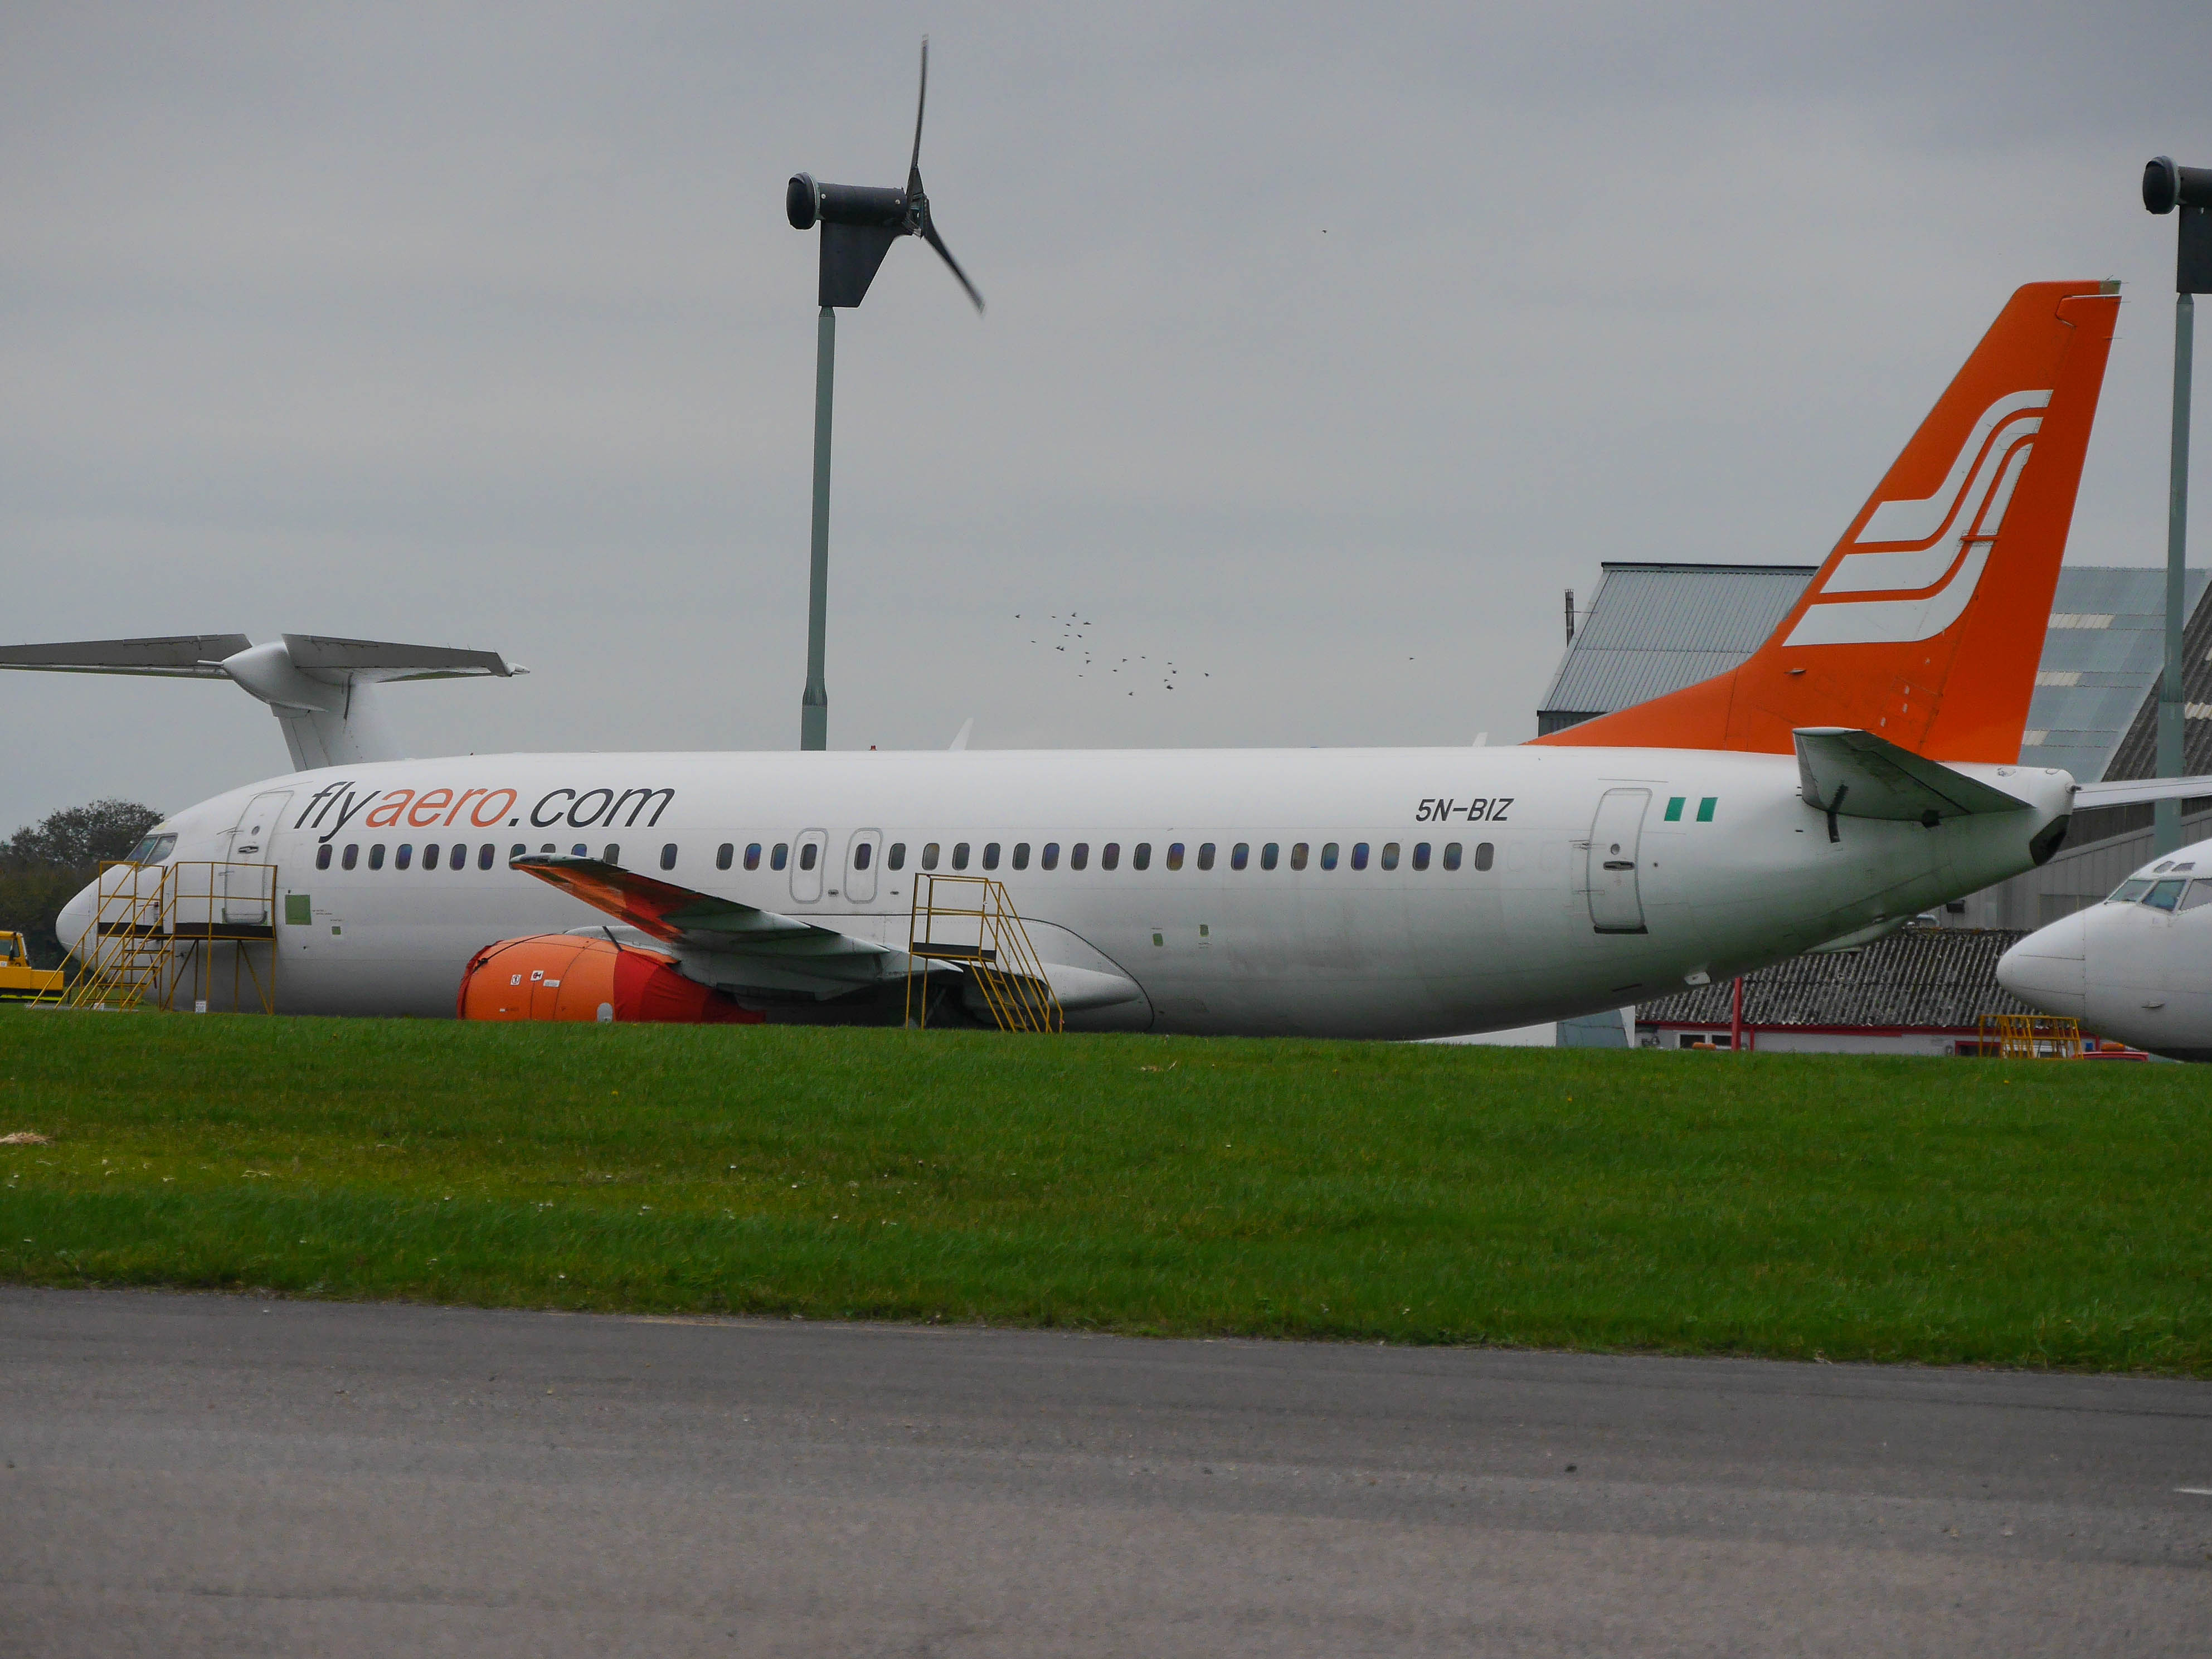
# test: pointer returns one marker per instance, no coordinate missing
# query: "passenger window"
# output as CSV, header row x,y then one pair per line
x,y
459,858
611,855
323,856
1141,858
2199,892
1328,855
753,855
1240,856
580,850
806,855
403,856
898,855
1078,856
1175,855
1021,855
1206,855
929,856
990,855
485,855
2164,894
1360,855
1050,859
351,855
1389,855
780,857
1267,855
1420,855
862,854
1109,855
376,856
960,855
1297,856
726,854
668,856
1484,855
1451,855
429,857
516,851
2130,892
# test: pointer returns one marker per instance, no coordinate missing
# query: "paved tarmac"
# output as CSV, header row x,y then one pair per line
x,y
205,1474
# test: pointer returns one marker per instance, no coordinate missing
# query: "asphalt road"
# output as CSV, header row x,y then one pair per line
x,y
212,1475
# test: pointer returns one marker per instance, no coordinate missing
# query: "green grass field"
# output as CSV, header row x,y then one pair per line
x,y
2044,1214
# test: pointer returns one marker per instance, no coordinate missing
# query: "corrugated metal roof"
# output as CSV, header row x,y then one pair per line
x,y
2100,661
2134,754
1653,628
1929,979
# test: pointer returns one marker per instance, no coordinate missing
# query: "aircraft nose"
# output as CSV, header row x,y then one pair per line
x,y
75,918
2047,969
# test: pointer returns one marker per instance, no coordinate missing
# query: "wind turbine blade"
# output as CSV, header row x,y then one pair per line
x,y
929,235
921,103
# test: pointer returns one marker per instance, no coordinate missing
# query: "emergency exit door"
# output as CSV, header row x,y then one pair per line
x,y
1616,905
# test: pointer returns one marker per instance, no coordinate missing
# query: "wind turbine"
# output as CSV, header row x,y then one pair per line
x,y
859,224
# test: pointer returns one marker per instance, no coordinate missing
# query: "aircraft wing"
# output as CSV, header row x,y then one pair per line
x,y
1857,774
2134,791
719,941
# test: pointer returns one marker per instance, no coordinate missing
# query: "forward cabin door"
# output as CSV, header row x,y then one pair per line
x,y
246,893
806,860
1615,904
862,855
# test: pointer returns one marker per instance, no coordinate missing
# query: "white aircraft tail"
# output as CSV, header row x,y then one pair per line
x,y
318,687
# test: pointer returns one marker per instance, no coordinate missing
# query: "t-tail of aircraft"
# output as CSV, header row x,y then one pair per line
x,y
318,687
1926,623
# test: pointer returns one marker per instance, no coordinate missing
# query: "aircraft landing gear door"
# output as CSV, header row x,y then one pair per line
x,y
246,893
862,855
806,858
1616,906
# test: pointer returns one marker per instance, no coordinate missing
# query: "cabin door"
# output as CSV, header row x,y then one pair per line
x,y
247,894
1615,904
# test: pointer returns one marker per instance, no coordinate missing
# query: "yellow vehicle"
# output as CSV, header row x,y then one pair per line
x,y
19,981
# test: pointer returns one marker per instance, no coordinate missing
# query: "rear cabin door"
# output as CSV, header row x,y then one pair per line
x,y
806,858
862,855
1615,904
246,894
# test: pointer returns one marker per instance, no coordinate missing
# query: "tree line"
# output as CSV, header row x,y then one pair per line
x,y
44,864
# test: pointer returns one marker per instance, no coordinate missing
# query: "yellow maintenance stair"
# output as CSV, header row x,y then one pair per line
x,y
166,934
969,920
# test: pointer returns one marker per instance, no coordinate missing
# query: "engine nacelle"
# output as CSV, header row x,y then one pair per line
x,y
575,977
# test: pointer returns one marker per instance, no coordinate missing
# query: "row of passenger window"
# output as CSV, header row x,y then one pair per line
x,y
1048,855
1109,855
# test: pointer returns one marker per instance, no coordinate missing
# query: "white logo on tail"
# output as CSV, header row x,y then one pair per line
x,y
1933,549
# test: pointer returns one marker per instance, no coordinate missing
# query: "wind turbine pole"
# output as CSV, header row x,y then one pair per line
x,y
814,702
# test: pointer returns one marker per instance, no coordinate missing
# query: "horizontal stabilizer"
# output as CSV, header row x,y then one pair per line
x,y
379,659
2135,792
1855,774
189,656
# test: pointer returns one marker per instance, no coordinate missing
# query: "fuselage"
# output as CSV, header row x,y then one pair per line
x,y
1382,893
2137,967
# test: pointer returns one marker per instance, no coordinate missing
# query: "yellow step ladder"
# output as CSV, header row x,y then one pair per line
x,y
974,924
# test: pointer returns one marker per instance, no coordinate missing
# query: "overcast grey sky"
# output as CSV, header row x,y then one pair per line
x,y
1323,349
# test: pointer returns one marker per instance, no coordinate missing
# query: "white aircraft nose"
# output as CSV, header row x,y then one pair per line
x,y
76,916
2047,968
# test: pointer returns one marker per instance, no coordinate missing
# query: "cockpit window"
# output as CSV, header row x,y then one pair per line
x,y
153,849
2164,894
2199,892
2130,892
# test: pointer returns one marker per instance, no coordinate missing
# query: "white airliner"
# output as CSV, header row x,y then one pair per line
x,y
2137,967
1858,770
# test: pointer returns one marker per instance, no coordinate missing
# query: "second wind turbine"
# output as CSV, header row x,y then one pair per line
x,y
859,224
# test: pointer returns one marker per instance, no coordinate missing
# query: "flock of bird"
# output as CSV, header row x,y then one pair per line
x,y
1074,643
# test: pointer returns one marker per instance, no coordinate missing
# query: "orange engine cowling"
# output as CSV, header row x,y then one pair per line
x,y
573,977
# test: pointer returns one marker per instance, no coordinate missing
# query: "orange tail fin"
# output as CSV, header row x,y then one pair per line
x,y
1927,621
